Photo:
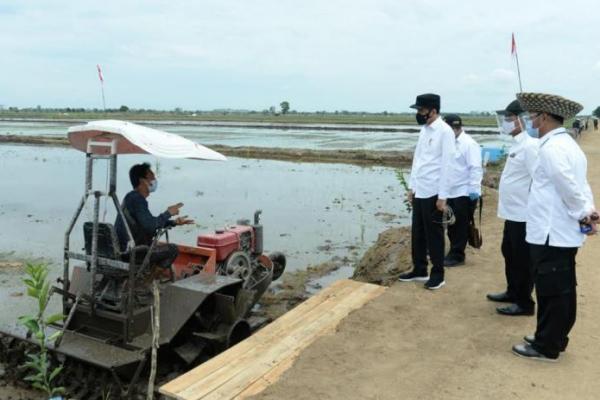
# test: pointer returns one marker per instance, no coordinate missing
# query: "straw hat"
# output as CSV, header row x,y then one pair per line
x,y
549,103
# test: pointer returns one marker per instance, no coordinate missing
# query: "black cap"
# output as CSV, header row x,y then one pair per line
x,y
453,120
513,108
427,100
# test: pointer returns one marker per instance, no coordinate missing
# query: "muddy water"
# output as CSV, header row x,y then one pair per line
x,y
312,212
268,137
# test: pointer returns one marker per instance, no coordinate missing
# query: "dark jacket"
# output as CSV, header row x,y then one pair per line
x,y
142,223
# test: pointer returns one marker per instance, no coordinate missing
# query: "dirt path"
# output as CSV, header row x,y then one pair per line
x,y
450,344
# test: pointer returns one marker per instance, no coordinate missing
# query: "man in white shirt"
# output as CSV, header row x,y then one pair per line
x,y
515,183
428,191
560,212
465,189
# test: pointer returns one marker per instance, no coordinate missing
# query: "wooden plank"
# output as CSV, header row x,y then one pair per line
x,y
209,383
289,346
275,373
233,354
230,382
270,333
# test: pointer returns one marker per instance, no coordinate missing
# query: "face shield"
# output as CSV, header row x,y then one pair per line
x,y
508,123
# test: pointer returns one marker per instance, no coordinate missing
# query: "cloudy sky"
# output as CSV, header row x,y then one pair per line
x,y
318,54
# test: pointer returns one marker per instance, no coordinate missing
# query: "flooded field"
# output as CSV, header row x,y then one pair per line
x,y
231,135
311,212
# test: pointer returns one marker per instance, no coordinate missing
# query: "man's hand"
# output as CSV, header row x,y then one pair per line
x,y
440,204
410,195
592,221
183,221
174,209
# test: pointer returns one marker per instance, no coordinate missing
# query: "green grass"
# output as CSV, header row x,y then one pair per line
x,y
247,117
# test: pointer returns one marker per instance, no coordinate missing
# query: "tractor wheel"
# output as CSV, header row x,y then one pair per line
x,y
238,265
279,262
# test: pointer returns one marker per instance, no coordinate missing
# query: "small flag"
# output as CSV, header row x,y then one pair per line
x,y
513,49
102,78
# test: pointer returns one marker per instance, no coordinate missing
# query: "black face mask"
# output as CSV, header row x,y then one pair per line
x,y
422,118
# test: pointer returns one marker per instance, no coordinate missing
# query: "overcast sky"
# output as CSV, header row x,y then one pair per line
x,y
317,54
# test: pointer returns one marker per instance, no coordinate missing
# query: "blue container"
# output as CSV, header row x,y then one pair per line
x,y
492,154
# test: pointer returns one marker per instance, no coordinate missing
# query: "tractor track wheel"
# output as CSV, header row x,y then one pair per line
x,y
279,262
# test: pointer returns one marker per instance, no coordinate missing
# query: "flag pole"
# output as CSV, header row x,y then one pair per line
x,y
101,78
518,73
513,51
104,102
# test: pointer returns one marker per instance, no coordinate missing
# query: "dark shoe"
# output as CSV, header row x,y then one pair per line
x,y
529,339
526,351
500,297
453,262
435,282
413,276
514,309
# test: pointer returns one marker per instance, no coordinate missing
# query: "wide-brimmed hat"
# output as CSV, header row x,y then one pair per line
x,y
427,100
549,103
514,107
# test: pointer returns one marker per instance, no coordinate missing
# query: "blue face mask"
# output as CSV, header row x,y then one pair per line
x,y
531,131
153,186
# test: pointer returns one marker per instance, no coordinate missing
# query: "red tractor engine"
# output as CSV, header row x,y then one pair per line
x,y
226,241
239,249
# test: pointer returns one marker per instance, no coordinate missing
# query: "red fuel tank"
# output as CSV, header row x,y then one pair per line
x,y
224,241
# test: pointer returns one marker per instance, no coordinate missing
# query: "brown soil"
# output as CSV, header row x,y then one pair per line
x,y
359,157
411,343
386,259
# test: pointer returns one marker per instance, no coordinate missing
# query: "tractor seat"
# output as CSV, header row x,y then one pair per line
x,y
108,243
108,248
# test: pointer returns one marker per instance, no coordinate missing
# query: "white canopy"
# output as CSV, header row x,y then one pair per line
x,y
136,139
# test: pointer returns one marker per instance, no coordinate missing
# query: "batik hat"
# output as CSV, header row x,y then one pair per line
x,y
549,103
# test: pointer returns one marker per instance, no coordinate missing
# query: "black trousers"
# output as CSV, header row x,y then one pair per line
x,y
555,283
458,233
427,237
163,255
517,264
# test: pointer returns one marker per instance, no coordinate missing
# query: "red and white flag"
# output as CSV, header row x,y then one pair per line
x,y
513,49
102,78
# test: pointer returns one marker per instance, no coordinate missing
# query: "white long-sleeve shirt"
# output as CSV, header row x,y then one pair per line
x,y
560,194
516,178
466,171
432,161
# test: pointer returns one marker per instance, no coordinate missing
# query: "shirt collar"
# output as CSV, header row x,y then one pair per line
x,y
435,123
520,137
553,132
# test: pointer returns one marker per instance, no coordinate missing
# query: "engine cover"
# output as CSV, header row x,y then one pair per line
x,y
227,241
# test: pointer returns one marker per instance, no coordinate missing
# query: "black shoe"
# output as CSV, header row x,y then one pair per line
x,y
525,350
453,262
500,297
413,276
515,309
435,282
529,339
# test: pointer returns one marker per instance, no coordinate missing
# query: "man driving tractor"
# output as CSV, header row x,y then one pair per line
x,y
142,223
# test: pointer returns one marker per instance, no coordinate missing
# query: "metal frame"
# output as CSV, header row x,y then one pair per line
x,y
93,259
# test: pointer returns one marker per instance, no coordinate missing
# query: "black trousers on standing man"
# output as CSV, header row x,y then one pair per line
x,y
517,264
458,233
427,237
555,286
